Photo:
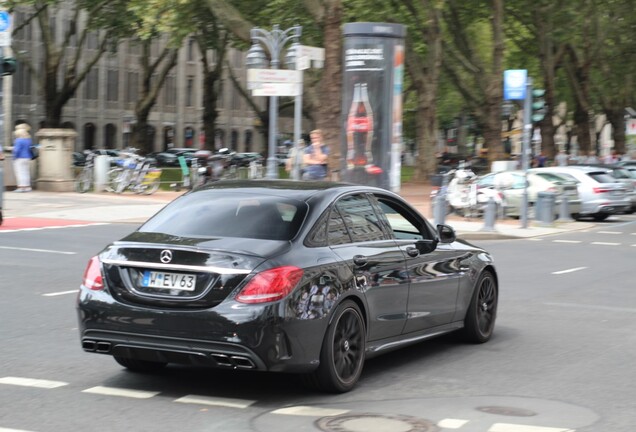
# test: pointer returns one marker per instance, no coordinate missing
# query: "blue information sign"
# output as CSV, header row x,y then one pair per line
x,y
515,81
5,21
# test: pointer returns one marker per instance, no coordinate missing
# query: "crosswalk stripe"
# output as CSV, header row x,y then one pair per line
x,y
567,241
30,382
224,402
310,411
506,427
610,232
114,391
451,423
13,430
606,244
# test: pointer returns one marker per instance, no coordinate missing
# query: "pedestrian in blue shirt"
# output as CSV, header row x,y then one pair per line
x,y
315,158
22,156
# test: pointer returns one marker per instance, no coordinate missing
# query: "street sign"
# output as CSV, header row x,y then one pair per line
x,y
314,53
515,81
273,76
277,89
631,127
5,29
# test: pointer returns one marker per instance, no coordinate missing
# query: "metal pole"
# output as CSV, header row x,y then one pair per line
x,y
298,112
527,128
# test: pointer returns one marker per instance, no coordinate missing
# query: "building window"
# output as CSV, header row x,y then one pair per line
x,y
191,43
92,41
112,86
91,85
190,92
23,80
132,89
170,89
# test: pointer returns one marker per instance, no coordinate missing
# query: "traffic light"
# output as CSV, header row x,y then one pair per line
x,y
7,66
538,105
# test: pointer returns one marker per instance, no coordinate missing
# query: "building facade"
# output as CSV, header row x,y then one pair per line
x,y
102,110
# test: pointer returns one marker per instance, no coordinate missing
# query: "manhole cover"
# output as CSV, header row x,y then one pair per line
x,y
375,423
507,411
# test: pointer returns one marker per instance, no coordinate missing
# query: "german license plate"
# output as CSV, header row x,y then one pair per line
x,y
178,281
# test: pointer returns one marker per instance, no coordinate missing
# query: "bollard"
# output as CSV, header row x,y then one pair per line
x,y
439,208
490,215
101,167
545,208
564,210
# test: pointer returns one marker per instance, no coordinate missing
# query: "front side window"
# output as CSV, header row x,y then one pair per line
x,y
402,223
360,218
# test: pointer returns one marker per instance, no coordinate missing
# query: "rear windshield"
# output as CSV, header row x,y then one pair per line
x,y
602,177
220,214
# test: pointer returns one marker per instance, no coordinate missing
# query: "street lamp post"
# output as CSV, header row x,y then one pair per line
x,y
256,58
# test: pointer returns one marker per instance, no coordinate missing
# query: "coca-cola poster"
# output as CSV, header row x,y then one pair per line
x,y
371,125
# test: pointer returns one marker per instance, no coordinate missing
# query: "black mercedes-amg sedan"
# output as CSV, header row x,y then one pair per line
x,y
271,275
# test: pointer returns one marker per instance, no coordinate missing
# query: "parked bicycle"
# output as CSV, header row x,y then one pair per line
x,y
134,173
84,180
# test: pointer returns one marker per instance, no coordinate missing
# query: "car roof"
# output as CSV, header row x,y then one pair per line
x,y
298,190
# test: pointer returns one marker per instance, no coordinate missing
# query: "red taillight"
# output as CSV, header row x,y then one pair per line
x,y
93,275
601,190
270,285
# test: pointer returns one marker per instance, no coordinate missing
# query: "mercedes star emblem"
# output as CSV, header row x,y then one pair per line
x,y
166,256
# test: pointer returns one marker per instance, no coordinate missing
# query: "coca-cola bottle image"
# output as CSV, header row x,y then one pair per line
x,y
359,129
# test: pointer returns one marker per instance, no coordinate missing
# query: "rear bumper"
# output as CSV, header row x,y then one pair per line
x,y
230,335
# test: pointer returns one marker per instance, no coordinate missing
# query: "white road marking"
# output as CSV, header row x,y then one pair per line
x,y
13,430
593,307
59,293
506,427
534,239
605,244
610,232
54,227
568,270
39,250
451,423
114,391
310,411
567,241
224,402
30,382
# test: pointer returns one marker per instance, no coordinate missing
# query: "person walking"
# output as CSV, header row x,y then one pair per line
x,y
22,156
562,158
295,157
315,157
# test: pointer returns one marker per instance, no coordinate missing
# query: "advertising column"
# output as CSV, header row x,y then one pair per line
x,y
372,103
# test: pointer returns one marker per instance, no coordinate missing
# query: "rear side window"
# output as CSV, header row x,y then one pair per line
x,y
219,214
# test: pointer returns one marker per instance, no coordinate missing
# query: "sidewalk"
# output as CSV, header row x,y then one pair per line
x,y
129,208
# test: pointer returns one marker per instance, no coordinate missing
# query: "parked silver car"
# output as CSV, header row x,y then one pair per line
x,y
512,184
600,193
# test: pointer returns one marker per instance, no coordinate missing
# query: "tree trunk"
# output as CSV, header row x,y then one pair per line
x,y
329,120
582,121
616,117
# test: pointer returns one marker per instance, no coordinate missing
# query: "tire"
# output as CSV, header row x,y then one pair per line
x,y
343,351
479,322
83,181
137,365
112,179
150,188
600,217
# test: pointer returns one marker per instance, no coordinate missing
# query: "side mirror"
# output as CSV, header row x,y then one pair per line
x,y
446,233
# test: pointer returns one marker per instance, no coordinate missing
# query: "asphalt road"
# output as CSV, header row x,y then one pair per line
x,y
562,358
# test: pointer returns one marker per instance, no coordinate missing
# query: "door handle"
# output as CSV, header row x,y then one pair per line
x,y
360,260
412,252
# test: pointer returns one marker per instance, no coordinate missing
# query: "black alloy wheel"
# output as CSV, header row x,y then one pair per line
x,y
343,351
482,312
